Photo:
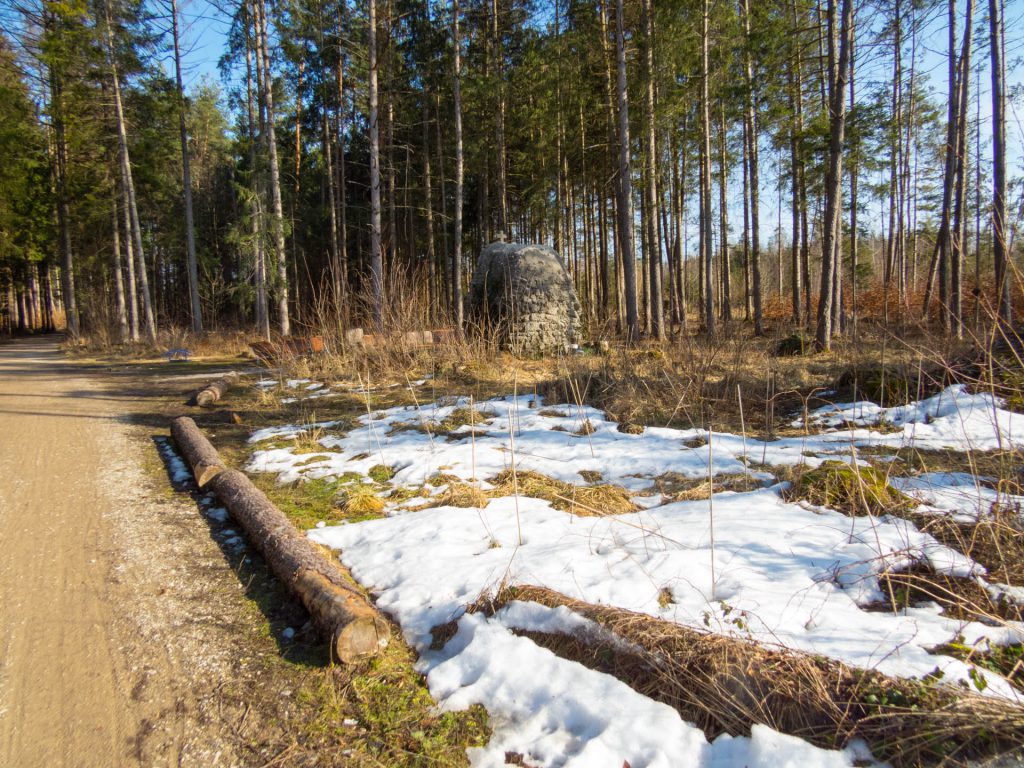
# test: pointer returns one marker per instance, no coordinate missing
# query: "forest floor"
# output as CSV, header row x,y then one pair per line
x,y
136,621
130,632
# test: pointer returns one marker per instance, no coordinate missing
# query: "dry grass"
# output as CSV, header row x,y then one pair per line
x,y
726,684
996,541
359,500
676,487
582,500
960,598
459,494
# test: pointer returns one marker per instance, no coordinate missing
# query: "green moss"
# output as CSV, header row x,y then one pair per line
x,y
381,473
400,724
849,489
792,345
460,417
305,503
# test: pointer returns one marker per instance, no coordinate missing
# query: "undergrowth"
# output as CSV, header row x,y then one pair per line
x,y
848,488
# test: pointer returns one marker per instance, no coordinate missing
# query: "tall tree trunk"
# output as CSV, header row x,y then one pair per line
x,y
959,222
501,160
625,224
267,86
129,184
129,254
332,215
60,164
376,257
654,249
705,177
119,302
723,214
428,214
794,165
939,266
838,75
997,31
342,185
456,271
186,177
255,208
854,164
752,159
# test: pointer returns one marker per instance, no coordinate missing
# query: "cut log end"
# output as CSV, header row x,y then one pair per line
x,y
355,629
213,391
361,639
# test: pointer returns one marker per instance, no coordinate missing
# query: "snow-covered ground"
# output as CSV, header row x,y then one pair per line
x,y
748,564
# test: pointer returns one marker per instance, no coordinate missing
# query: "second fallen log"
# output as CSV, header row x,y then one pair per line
x,y
215,390
202,457
354,628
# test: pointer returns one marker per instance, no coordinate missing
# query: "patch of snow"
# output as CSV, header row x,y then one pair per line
x,y
563,714
176,466
784,575
954,418
287,432
400,438
960,495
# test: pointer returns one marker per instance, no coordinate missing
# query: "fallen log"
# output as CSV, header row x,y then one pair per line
x,y
201,456
213,391
354,628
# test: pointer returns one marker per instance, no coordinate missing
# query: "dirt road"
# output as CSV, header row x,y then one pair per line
x,y
118,613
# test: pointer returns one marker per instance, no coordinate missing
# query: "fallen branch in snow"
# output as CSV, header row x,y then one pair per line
x,y
213,391
201,456
355,629
726,684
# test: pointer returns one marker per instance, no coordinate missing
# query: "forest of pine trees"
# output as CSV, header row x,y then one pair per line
x,y
695,164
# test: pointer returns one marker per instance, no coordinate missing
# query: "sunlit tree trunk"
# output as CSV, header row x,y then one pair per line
x,y
376,258
625,224
186,176
267,86
838,74
1001,254
456,271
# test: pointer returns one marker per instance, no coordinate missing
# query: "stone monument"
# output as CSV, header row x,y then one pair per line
x,y
523,294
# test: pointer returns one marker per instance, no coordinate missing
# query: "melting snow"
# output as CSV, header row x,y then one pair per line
x,y
777,572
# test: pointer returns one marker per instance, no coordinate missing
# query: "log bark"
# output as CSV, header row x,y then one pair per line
x,y
215,390
201,456
354,628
